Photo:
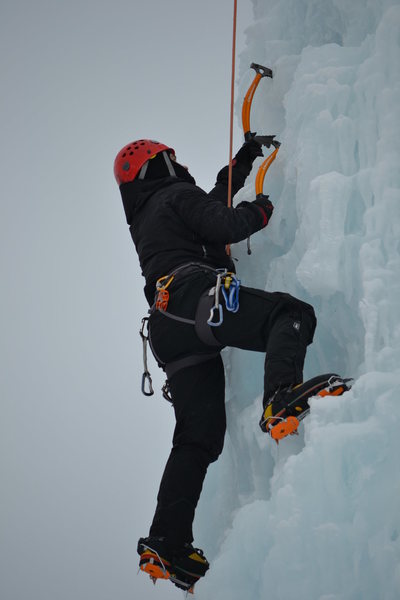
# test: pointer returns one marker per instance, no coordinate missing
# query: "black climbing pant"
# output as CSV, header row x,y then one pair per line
x,y
274,323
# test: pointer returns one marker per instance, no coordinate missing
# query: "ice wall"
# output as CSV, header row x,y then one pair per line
x,y
318,517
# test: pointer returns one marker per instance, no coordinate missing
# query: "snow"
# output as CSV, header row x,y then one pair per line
x,y
318,516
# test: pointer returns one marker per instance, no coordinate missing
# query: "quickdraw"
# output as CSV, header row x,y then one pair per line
x,y
146,377
264,140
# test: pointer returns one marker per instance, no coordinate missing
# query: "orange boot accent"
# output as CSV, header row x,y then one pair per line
x,y
338,392
151,564
284,428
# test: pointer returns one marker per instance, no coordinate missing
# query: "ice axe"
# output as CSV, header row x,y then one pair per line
x,y
263,140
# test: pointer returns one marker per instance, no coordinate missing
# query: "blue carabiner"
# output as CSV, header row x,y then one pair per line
x,y
232,296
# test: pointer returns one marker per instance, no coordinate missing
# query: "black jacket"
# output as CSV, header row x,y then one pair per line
x,y
173,222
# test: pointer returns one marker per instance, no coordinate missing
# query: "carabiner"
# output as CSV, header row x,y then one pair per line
x,y
231,295
146,377
213,323
217,306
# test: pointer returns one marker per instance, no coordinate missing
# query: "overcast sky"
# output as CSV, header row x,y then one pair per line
x,y
82,451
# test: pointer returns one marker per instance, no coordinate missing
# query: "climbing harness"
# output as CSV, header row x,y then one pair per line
x,y
209,314
227,285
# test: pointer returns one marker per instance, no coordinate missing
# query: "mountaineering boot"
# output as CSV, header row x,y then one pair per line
x,y
183,565
285,409
188,565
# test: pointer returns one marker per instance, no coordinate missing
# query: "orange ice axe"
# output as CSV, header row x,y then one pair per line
x,y
264,140
248,99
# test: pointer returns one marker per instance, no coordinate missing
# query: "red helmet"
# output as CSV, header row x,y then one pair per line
x,y
133,156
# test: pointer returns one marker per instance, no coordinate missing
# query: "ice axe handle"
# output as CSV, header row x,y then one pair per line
x,y
261,72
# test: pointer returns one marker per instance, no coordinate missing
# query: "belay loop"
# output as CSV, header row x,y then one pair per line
x,y
146,377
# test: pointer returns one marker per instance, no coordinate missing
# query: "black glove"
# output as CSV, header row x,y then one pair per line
x,y
265,205
248,153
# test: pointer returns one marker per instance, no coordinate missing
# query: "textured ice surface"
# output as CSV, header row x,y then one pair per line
x,y
318,517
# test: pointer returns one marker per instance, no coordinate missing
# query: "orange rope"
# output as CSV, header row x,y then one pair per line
x,y
232,103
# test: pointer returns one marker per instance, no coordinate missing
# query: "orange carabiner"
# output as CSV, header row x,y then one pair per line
x,y
162,300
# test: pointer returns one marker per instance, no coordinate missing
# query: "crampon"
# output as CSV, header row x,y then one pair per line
x,y
283,414
180,570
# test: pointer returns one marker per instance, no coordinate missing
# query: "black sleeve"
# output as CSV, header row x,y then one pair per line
x,y
220,191
213,221
241,168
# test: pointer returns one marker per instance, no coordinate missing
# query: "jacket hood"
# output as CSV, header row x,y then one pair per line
x,y
136,193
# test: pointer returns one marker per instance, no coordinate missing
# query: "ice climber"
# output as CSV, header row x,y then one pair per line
x,y
197,308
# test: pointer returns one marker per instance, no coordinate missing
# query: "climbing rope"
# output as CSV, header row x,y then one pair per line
x,y
229,202
232,104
